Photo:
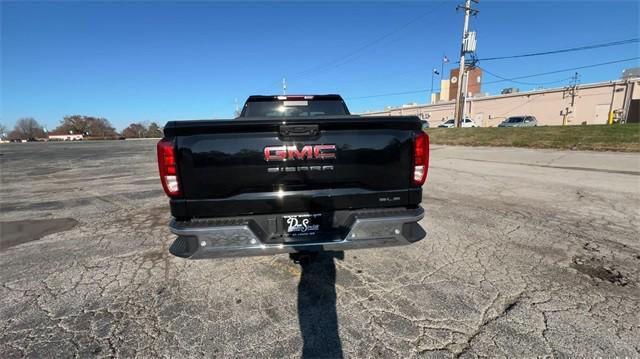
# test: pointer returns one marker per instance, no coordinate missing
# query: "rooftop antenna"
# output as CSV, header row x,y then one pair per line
x,y
284,86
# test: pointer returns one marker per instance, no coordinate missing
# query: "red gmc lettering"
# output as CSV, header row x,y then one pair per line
x,y
282,153
324,152
307,152
275,153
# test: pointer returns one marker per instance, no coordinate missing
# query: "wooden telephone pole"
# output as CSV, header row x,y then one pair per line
x,y
570,91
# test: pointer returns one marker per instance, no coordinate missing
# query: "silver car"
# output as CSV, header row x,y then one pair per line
x,y
519,121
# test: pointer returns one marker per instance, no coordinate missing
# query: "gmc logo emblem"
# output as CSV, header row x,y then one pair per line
x,y
283,153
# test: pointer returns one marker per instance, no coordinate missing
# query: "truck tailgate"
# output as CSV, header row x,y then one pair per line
x,y
268,165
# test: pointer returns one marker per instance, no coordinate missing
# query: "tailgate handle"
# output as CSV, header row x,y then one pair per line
x,y
298,130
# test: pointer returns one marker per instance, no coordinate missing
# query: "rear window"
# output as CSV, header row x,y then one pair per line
x,y
294,108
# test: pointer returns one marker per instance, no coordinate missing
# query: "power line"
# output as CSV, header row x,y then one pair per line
x,y
484,69
564,70
388,94
517,107
358,52
350,56
571,49
436,90
503,79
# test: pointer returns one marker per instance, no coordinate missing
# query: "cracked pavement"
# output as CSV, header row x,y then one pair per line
x,y
528,253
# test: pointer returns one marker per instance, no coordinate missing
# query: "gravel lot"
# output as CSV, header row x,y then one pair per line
x,y
529,253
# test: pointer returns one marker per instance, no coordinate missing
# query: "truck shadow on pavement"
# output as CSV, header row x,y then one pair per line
x,y
317,307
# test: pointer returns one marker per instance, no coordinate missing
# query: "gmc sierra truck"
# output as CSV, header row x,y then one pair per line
x,y
293,174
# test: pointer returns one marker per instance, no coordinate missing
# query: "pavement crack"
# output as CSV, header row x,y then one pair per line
x,y
507,307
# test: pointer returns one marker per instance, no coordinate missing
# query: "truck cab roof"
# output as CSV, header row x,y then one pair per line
x,y
327,97
279,106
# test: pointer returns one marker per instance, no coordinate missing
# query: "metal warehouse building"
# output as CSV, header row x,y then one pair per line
x,y
581,104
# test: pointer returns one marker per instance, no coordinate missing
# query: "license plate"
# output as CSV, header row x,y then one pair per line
x,y
302,225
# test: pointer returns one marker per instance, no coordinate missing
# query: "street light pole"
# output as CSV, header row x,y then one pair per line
x,y
431,94
442,61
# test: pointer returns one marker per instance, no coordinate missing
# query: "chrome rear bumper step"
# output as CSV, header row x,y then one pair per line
x,y
241,238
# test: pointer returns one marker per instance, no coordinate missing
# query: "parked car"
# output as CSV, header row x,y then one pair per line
x,y
467,122
425,124
448,124
293,174
519,121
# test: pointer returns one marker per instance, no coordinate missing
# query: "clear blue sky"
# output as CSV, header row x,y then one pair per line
x,y
157,61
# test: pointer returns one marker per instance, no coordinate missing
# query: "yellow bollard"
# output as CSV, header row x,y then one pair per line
x,y
610,121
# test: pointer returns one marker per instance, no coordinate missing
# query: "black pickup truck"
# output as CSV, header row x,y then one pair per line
x,y
293,174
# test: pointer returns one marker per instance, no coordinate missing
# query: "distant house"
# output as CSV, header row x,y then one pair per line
x,y
67,137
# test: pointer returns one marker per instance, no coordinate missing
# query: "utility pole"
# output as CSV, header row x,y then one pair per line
x,y
565,113
459,110
572,91
465,89
610,114
573,88
284,86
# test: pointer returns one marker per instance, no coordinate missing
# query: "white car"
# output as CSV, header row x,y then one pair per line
x,y
467,122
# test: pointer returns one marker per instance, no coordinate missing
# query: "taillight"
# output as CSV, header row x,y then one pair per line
x,y
167,167
421,159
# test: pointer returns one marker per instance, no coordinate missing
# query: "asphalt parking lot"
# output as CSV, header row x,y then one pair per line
x,y
529,253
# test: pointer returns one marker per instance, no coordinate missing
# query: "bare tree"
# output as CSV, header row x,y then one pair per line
x,y
143,130
86,125
154,130
27,128
3,131
135,130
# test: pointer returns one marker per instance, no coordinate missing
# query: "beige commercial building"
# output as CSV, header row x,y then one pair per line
x,y
582,104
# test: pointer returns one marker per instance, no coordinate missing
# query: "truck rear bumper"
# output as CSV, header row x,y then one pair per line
x,y
241,237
